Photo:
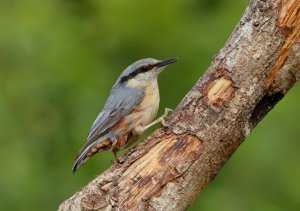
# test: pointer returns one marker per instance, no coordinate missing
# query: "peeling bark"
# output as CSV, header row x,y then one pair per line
x,y
258,65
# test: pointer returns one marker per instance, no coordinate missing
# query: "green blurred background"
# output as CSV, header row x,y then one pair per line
x,y
58,61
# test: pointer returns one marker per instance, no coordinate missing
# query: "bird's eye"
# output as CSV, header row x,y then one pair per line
x,y
144,69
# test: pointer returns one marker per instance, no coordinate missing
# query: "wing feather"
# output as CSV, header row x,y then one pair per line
x,y
122,100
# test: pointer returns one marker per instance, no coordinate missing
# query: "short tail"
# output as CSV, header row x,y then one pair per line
x,y
87,151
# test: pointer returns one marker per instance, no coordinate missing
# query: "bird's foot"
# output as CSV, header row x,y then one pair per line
x,y
164,117
161,120
117,160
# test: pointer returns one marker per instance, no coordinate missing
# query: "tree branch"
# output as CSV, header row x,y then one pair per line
x,y
258,65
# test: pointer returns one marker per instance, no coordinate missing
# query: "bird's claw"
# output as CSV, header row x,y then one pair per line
x,y
116,161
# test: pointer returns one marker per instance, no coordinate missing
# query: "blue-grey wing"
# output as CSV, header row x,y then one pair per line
x,y
122,101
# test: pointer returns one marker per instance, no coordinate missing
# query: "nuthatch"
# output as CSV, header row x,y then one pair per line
x,y
129,110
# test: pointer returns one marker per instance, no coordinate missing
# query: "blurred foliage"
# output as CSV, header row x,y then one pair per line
x,y
58,61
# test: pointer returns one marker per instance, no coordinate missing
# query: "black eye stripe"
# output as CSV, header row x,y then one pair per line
x,y
142,69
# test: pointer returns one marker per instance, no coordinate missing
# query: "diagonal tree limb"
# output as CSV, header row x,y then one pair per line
x,y
257,66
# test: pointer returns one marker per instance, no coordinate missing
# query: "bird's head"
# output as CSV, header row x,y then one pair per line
x,y
145,70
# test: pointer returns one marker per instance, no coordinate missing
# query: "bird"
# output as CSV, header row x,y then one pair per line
x,y
129,110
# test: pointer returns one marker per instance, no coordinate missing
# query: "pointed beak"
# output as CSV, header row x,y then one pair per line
x,y
166,62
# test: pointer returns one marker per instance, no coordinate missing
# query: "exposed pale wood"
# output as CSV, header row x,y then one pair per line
x,y
220,91
258,65
289,20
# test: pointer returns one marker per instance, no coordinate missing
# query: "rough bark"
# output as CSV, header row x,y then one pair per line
x,y
167,171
